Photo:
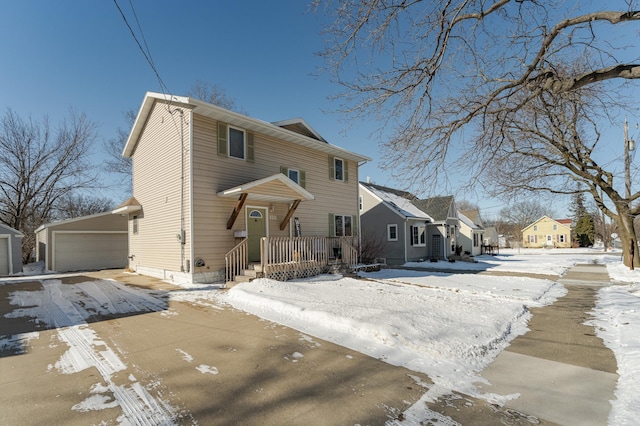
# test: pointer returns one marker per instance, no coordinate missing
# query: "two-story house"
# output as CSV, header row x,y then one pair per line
x,y
215,190
547,232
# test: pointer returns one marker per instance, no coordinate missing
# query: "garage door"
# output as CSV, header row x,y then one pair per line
x,y
86,251
4,256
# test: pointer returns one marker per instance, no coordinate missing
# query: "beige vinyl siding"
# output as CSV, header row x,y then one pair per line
x,y
159,165
213,173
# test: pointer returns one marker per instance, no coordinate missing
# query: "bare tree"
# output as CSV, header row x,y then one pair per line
x,y
524,213
214,95
435,73
115,162
39,166
76,205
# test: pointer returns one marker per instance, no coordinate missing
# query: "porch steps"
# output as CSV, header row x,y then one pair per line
x,y
246,276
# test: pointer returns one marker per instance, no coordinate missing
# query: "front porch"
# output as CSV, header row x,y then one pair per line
x,y
285,258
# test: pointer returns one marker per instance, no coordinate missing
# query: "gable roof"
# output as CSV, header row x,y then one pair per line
x,y
299,125
473,215
235,119
436,207
278,188
399,201
468,222
553,220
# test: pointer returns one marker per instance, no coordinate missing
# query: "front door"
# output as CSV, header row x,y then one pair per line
x,y
256,229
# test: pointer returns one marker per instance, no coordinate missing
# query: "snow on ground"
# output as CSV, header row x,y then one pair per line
x,y
446,324
68,308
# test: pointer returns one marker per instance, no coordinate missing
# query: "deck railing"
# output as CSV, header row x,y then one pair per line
x,y
285,258
236,260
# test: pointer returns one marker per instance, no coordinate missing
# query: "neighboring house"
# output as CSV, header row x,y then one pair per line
x,y
10,250
491,237
97,241
393,225
216,190
471,232
547,232
443,232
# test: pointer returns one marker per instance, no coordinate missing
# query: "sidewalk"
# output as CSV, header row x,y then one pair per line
x,y
560,370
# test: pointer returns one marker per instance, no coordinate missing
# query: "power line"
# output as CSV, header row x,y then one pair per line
x,y
146,53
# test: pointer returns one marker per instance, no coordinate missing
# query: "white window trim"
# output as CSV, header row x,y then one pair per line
x,y
389,227
244,142
335,169
289,170
418,243
343,216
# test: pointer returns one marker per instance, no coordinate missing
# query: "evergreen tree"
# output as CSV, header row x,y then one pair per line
x,y
577,207
585,230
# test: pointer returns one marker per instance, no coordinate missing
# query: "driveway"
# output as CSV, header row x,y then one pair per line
x,y
111,348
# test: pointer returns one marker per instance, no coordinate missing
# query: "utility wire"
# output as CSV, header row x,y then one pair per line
x,y
146,53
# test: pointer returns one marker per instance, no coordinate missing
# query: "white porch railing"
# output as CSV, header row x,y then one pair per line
x,y
236,260
284,258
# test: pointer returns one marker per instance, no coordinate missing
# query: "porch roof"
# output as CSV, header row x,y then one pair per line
x,y
277,188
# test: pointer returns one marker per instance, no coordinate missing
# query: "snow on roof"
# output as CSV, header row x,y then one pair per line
x,y
394,200
464,219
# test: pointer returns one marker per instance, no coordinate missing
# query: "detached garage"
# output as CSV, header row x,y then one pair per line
x,y
91,242
10,251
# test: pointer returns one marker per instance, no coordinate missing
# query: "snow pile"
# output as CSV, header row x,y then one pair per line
x,y
617,322
447,326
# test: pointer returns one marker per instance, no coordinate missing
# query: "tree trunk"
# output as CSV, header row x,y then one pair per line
x,y
629,239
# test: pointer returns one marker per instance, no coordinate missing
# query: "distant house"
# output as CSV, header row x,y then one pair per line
x,y
491,237
547,232
221,196
471,232
444,232
392,225
97,241
10,250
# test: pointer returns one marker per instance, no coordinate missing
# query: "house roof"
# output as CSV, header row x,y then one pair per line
x,y
464,219
397,200
7,229
302,134
564,223
299,125
473,215
436,207
130,206
275,188
75,219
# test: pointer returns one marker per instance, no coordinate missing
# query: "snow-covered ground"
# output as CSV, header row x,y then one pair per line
x,y
447,324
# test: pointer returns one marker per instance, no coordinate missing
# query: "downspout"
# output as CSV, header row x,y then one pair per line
x,y
406,222
191,233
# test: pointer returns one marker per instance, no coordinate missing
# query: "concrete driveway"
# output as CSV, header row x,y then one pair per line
x,y
69,357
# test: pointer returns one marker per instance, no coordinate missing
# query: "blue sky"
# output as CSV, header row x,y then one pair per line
x,y
80,54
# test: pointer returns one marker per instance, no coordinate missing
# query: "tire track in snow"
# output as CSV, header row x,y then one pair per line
x,y
86,349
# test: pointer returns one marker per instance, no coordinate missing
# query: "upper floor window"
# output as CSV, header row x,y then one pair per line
x,y
338,169
339,166
298,176
236,143
555,226
535,227
294,175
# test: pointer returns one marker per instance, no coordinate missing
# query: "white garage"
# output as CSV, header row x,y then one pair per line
x,y
10,251
85,243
